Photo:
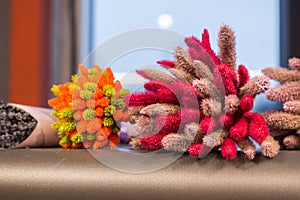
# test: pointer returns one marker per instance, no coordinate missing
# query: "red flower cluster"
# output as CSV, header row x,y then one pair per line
x,y
215,101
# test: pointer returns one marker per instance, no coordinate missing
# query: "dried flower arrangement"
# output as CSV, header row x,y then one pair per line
x,y
88,109
202,102
15,125
285,124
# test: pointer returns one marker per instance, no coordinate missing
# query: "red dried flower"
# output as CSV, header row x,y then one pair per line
x,y
189,102
194,149
190,115
246,103
228,81
155,85
240,130
166,63
141,99
206,44
226,120
208,124
258,128
194,54
168,123
243,75
228,149
192,42
198,52
153,142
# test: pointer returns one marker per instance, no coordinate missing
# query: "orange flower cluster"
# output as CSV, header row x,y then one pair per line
x,y
96,102
62,106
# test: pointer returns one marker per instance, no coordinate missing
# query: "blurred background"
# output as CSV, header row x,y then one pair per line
x,y
43,41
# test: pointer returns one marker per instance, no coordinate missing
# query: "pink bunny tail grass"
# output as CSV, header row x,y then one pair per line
x,y
232,103
294,63
292,142
152,74
248,148
270,147
227,46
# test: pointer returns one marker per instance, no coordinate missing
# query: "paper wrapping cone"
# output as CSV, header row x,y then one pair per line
x,y
42,135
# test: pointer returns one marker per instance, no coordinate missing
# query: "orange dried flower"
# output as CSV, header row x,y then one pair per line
x,y
78,104
93,126
76,94
103,102
125,116
83,70
99,144
66,146
100,122
76,146
100,136
106,131
110,76
114,140
90,103
61,105
99,112
82,126
118,115
88,143
53,102
82,80
78,115
98,94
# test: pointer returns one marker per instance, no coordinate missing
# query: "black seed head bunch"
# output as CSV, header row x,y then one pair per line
x,y
15,125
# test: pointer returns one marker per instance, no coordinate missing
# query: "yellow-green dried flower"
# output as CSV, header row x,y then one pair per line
x,y
92,73
76,138
74,79
118,103
55,90
109,90
86,94
91,86
67,126
63,126
65,140
66,113
115,129
108,121
109,110
90,136
123,93
89,114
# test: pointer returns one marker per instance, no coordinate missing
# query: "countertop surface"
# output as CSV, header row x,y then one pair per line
x,y
75,174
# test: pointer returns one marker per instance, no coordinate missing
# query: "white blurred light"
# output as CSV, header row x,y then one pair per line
x,y
165,21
